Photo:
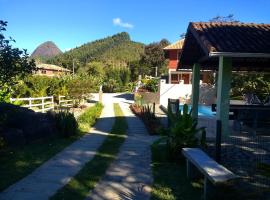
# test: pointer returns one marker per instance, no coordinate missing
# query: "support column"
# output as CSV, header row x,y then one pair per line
x,y
223,89
195,89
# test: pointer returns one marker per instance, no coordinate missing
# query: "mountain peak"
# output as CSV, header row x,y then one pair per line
x,y
46,50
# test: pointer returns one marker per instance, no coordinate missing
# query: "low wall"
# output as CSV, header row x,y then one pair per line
x,y
184,91
173,91
149,97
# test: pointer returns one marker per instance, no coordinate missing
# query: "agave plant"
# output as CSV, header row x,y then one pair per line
x,y
183,131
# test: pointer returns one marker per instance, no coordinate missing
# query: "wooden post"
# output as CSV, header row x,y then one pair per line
x,y
223,89
195,90
52,103
30,103
42,106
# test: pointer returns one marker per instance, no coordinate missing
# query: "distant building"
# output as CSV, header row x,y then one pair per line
x,y
51,70
172,53
184,76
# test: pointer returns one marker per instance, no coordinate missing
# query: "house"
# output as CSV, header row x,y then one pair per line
x,y
50,70
177,74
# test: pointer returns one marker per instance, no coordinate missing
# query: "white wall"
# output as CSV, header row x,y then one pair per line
x,y
173,91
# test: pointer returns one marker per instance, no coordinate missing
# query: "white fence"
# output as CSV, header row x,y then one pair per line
x,y
39,104
66,103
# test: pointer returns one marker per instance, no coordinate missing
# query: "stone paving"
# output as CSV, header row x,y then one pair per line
x,y
57,171
130,175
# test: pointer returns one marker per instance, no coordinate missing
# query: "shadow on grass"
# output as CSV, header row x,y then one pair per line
x,y
86,179
170,180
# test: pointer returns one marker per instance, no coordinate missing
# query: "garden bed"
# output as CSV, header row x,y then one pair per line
x,y
151,122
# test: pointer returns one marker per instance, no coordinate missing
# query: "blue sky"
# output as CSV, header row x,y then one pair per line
x,y
70,23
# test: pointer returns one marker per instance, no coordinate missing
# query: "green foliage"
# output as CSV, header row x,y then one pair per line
x,y
151,85
116,50
183,131
89,117
154,57
66,123
257,83
117,79
5,93
79,86
93,68
14,63
76,87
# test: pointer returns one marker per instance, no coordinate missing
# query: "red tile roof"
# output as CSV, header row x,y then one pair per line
x,y
176,45
205,40
234,37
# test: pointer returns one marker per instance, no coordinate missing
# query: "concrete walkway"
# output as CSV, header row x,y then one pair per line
x,y
57,171
130,175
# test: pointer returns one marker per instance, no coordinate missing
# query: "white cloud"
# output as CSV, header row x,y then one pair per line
x,y
118,22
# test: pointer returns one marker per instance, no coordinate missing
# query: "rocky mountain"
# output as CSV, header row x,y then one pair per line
x,y
46,50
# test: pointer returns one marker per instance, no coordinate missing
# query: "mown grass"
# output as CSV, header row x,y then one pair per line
x,y
80,185
170,182
17,162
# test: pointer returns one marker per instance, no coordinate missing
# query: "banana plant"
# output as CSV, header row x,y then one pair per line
x,y
183,131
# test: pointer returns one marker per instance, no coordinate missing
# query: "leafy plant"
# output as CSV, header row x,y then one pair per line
x,y
183,132
88,118
151,85
147,113
14,62
66,123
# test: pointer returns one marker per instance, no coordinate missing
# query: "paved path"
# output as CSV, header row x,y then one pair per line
x,y
57,171
130,176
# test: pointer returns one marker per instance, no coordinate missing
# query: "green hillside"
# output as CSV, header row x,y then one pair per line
x,y
116,50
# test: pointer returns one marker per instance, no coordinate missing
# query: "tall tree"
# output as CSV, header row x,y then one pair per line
x,y
154,56
14,63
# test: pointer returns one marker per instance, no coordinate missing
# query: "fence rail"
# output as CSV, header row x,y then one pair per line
x,y
65,102
47,103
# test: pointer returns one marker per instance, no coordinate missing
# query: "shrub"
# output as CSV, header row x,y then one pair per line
x,y
88,118
19,125
151,85
66,123
183,132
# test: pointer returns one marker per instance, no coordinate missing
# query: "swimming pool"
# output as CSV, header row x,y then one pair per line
x,y
202,110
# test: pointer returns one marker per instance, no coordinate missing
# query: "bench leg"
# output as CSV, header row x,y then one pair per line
x,y
192,172
209,190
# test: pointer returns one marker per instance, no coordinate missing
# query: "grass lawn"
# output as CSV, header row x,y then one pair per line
x,y
170,181
80,185
16,163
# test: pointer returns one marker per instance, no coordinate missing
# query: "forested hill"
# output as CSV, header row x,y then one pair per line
x,y
114,50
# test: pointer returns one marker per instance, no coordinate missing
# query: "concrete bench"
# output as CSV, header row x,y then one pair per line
x,y
213,172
